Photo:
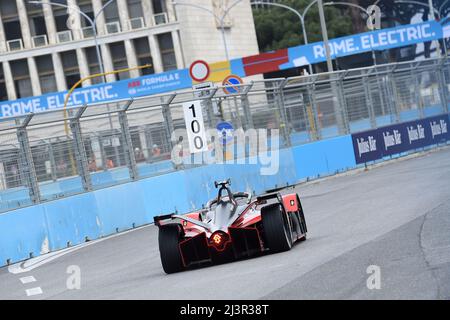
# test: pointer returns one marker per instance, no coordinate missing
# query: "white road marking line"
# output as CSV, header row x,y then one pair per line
x,y
26,280
34,291
31,264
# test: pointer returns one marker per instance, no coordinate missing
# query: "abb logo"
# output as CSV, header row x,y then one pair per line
x,y
134,84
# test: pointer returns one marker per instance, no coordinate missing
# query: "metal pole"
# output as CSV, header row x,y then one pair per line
x,y
225,46
334,90
26,165
443,89
369,102
80,151
301,17
305,38
432,18
220,19
52,161
323,27
394,96
94,26
130,157
99,55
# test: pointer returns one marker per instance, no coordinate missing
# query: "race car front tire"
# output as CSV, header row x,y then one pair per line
x,y
169,237
277,231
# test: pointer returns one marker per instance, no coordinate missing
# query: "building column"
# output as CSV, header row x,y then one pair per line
x,y
83,66
59,72
178,50
75,19
170,11
107,62
9,81
147,9
131,58
96,7
49,22
156,54
124,17
34,77
24,24
2,36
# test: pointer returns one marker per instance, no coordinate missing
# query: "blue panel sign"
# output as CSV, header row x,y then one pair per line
x,y
365,42
378,143
125,89
225,132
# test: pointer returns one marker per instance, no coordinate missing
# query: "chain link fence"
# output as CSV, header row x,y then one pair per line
x,y
56,154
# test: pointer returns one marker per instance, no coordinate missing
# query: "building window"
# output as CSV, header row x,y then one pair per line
x,y
8,10
94,68
119,59
143,55
111,13
36,19
167,51
134,8
12,30
10,19
70,66
21,76
61,18
86,8
46,73
3,92
159,6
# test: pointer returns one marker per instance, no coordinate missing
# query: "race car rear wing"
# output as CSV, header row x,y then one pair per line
x,y
171,217
270,196
157,219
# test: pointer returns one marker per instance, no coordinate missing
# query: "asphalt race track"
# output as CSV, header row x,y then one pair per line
x,y
395,216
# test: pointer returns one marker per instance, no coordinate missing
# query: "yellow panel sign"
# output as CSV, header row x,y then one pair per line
x,y
219,71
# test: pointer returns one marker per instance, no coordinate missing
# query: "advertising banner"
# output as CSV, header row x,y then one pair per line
x,y
124,89
387,141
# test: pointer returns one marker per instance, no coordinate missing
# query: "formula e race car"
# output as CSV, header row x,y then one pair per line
x,y
233,226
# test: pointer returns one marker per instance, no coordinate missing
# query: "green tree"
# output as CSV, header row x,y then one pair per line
x,y
279,28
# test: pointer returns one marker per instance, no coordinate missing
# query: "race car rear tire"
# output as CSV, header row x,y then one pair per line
x,y
169,237
277,231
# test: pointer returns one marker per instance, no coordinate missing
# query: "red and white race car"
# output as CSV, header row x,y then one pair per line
x,y
233,226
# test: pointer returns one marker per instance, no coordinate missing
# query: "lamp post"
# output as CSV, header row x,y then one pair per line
x,y
221,20
323,27
301,16
92,22
332,3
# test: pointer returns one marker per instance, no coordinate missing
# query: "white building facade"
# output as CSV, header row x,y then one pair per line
x,y
47,48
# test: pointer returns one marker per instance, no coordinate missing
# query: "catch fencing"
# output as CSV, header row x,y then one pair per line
x,y
56,154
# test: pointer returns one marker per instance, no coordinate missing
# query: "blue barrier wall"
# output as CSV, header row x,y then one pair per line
x,y
53,225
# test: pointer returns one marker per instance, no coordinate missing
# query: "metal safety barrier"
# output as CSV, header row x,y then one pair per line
x,y
113,143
